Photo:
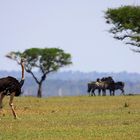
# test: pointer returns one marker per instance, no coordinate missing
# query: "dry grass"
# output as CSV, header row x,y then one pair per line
x,y
77,118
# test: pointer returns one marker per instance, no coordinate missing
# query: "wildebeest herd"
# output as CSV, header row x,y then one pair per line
x,y
103,84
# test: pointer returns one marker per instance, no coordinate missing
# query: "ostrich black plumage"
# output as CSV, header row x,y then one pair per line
x,y
10,86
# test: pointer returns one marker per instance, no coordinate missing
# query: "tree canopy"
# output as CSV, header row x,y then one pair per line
x,y
125,23
45,60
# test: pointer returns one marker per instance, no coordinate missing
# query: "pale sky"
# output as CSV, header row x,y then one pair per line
x,y
76,26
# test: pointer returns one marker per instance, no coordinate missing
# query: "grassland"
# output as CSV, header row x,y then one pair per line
x,y
72,118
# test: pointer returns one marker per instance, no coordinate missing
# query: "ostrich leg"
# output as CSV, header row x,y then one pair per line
x,y
1,98
12,105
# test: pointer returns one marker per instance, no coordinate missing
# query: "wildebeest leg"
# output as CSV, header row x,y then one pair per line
x,y
99,92
110,92
92,92
88,93
122,91
104,92
113,92
12,105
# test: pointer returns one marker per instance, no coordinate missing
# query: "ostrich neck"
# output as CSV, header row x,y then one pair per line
x,y
22,67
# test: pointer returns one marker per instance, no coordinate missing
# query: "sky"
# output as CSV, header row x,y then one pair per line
x,y
76,26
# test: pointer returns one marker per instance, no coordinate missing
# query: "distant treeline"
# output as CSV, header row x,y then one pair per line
x,y
72,83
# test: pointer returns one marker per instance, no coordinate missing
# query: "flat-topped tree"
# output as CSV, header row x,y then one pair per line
x,y
125,22
45,60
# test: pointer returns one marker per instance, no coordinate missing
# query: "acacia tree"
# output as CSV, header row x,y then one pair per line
x,y
125,23
46,60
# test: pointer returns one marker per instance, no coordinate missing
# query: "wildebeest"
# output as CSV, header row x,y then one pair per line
x,y
100,84
106,83
92,86
119,85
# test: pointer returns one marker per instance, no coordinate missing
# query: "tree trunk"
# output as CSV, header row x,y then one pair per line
x,y
39,93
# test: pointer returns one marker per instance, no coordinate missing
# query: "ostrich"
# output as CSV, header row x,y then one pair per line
x,y
10,86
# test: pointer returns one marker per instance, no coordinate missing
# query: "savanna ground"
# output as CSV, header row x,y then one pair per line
x,y
72,118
